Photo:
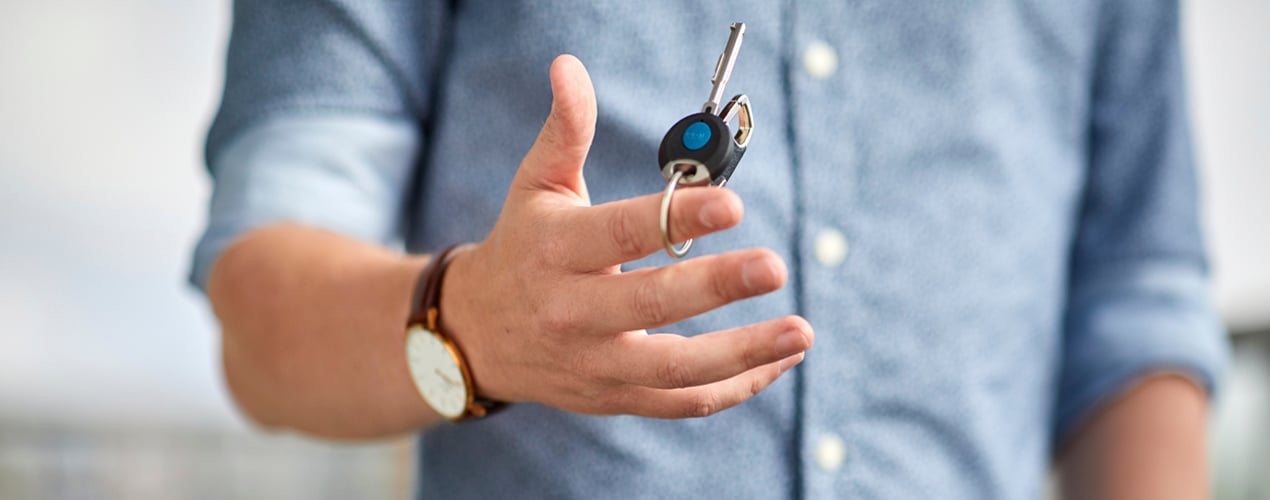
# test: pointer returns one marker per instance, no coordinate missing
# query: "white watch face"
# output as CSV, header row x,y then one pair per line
x,y
436,373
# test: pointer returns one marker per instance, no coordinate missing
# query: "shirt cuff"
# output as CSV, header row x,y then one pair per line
x,y
346,173
1131,321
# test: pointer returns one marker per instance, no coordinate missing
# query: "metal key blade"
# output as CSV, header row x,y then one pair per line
x,y
723,68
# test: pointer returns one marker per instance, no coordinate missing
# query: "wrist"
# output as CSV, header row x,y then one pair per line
x,y
463,320
437,364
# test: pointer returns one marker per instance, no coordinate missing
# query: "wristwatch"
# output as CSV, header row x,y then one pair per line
x,y
437,366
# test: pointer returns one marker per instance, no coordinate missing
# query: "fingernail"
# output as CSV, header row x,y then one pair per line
x,y
755,272
789,344
790,362
714,214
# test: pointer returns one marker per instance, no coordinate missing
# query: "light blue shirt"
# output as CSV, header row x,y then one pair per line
x,y
1011,182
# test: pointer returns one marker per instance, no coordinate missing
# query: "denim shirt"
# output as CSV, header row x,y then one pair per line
x,y
988,210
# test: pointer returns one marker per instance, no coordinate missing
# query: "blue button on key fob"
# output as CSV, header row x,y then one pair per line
x,y
697,135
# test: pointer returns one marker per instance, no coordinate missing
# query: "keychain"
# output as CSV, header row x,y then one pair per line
x,y
700,149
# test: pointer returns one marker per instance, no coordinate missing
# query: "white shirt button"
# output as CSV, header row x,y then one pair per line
x,y
820,60
831,247
830,450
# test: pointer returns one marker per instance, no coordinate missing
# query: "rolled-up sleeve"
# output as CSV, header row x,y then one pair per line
x,y
1138,299
346,174
321,118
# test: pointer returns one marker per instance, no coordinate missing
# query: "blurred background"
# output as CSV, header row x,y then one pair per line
x,y
109,366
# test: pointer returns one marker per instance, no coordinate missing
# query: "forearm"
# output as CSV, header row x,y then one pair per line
x,y
313,330
1151,444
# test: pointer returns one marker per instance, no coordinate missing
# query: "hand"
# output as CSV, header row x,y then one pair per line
x,y
543,312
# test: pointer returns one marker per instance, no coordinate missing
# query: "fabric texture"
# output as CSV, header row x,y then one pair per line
x,y
1013,181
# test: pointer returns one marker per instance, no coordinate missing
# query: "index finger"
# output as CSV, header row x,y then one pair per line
x,y
621,231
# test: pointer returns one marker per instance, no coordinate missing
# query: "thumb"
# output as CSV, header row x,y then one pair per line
x,y
555,161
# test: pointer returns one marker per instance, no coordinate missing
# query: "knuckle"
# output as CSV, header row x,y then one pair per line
x,y
752,355
649,304
611,403
673,372
555,131
583,364
622,231
559,317
551,252
594,371
704,404
721,285
757,384
540,242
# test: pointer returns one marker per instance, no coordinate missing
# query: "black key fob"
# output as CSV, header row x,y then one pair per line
x,y
701,144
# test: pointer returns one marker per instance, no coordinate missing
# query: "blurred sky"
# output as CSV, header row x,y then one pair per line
x,y
103,107
102,111
1229,73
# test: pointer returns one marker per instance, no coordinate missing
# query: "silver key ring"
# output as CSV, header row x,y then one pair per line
x,y
677,253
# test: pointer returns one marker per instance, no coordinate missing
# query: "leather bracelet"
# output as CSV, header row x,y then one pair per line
x,y
426,311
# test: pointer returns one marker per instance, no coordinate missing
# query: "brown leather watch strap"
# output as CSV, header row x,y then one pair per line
x,y
426,310
426,306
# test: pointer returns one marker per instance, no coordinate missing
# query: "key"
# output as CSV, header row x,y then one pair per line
x,y
723,68
701,149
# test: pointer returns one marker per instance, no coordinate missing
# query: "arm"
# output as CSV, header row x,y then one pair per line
x,y
313,323
1149,444
1138,303
312,332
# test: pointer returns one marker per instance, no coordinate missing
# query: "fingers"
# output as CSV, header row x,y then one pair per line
x,y
700,401
672,361
654,297
626,230
555,160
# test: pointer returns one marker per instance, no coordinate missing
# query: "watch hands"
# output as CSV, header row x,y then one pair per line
x,y
447,380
